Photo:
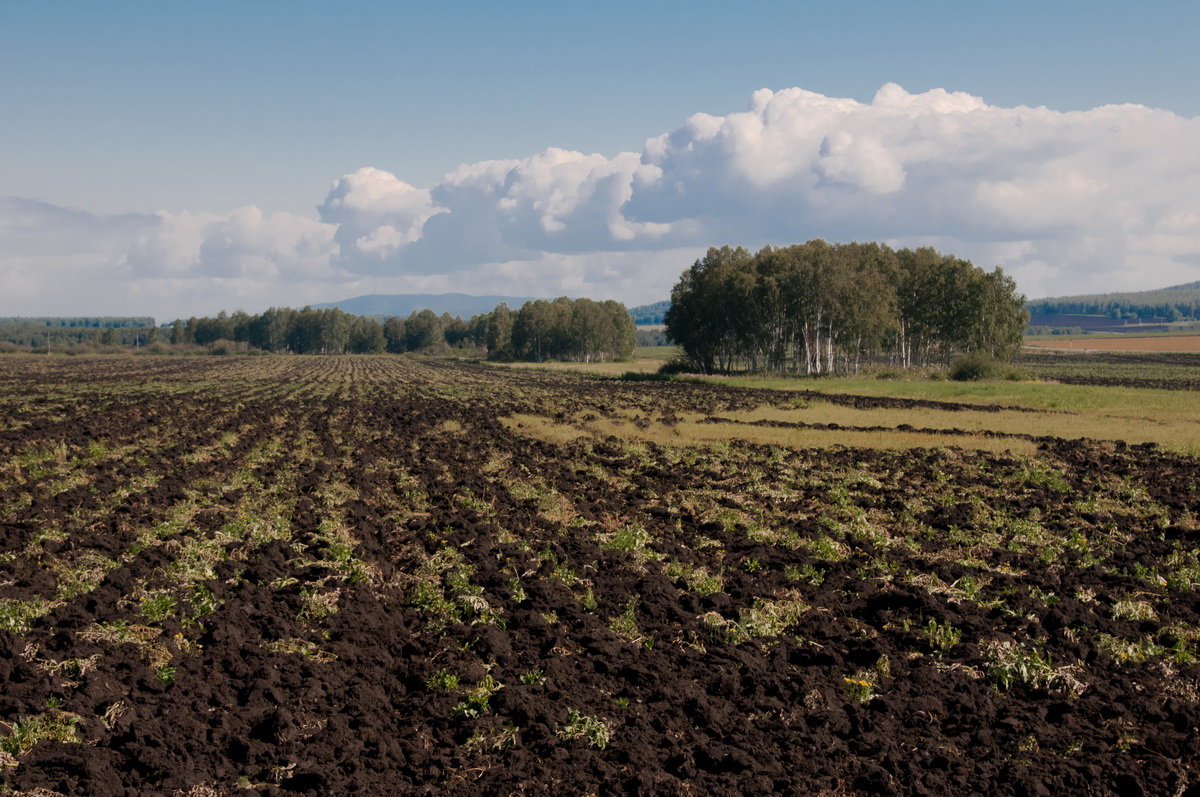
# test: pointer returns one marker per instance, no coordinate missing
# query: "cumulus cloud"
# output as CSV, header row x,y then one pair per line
x,y
556,201
1103,199
56,260
1066,201
375,215
245,243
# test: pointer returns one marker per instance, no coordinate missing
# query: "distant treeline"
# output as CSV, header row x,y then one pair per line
x,y
563,329
1168,305
820,307
69,331
653,336
80,321
650,314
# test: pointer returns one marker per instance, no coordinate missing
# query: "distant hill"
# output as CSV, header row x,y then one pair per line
x,y
648,314
1114,311
404,304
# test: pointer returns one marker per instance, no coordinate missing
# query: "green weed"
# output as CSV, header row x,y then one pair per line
x,y
594,730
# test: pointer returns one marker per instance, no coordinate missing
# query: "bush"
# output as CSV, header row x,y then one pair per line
x,y
642,376
224,347
978,366
676,365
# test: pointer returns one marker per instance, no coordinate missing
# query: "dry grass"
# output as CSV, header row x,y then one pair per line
x,y
1176,430
1135,415
692,432
1159,343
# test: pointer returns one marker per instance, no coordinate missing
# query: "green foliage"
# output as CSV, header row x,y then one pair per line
x,y
593,730
978,366
1010,664
625,624
821,308
767,617
443,681
573,329
631,538
52,726
157,606
15,615
860,687
941,636
695,577
479,697
650,313
493,739
534,677
446,593
47,331
1179,302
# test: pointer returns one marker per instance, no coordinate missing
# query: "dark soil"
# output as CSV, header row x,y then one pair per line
x,y
367,527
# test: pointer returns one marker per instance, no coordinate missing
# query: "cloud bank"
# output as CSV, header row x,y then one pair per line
x,y
1067,202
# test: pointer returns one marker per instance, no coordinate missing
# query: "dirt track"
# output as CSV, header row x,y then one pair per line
x,y
346,575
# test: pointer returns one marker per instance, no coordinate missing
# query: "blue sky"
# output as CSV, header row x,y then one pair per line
x,y
206,107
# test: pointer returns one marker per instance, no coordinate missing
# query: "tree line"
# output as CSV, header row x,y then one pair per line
x,y
562,329
77,330
831,308
1180,303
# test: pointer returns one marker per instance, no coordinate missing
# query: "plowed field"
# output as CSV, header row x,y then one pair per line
x,y
394,576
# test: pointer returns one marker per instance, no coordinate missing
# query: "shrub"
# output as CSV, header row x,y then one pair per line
x,y
978,366
677,365
223,347
642,376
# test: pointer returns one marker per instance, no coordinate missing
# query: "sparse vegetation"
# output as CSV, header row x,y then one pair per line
x,y
442,575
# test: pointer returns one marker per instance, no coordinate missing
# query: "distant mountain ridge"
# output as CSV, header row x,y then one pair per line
x,y
404,304
648,314
1118,311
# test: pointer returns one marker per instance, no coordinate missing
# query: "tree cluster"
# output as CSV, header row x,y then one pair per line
x,y
283,329
830,308
563,329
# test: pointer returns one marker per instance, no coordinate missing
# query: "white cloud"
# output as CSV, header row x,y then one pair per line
x,y
1066,201
245,243
375,215
1105,199
556,201
56,261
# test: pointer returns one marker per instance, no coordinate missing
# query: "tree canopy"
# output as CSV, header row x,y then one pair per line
x,y
563,329
820,307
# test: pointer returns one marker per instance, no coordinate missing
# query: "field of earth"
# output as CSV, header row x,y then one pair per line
x,y
394,575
